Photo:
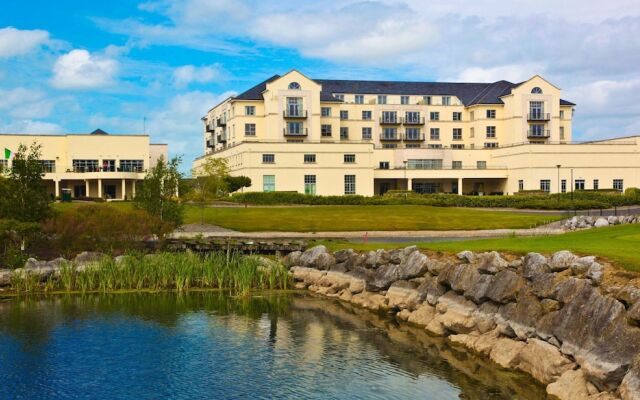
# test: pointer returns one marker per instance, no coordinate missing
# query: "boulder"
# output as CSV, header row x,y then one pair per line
x,y
343,256
544,285
600,222
413,264
32,263
371,301
290,260
523,314
58,263
403,295
571,385
491,262
5,277
423,315
634,314
436,266
466,256
376,258
628,295
595,273
562,260
485,317
534,264
88,257
506,352
317,257
384,276
456,313
505,287
308,276
431,290
593,330
630,386
543,361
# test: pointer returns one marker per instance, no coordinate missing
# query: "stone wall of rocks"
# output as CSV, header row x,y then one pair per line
x,y
586,222
44,269
553,318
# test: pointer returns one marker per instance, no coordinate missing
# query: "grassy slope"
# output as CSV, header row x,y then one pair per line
x,y
362,218
618,244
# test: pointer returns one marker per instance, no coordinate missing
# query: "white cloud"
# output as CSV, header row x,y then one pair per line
x,y
16,42
30,126
79,69
186,74
513,73
26,103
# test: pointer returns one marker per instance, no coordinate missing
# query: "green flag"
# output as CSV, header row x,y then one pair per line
x,y
7,153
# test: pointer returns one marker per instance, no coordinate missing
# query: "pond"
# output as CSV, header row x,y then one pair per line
x,y
209,344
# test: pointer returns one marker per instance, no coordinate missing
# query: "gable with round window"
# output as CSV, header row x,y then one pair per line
x,y
294,86
536,90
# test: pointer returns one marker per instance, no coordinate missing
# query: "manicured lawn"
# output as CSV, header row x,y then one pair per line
x,y
362,218
618,244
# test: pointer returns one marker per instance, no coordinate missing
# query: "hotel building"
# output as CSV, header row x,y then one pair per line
x,y
90,165
335,137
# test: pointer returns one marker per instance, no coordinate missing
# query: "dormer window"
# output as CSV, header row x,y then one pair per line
x,y
536,90
294,86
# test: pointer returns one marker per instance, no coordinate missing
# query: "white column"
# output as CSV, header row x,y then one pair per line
x,y
459,185
99,188
57,183
87,188
133,189
408,183
124,189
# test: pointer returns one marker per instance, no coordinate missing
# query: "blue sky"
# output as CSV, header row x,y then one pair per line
x,y
74,66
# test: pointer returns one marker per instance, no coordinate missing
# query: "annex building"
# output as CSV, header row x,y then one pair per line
x,y
334,137
90,165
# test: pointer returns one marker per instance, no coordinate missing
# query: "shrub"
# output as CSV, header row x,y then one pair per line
x,y
101,228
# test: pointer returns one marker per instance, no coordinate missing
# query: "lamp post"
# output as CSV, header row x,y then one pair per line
x,y
558,166
405,179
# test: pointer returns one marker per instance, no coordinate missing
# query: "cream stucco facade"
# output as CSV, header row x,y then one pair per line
x,y
331,137
90,165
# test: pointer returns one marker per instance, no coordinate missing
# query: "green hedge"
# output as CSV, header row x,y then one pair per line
x,y
581,200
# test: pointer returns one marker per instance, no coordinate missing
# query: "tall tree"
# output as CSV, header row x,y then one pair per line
x,y
159,192
23,193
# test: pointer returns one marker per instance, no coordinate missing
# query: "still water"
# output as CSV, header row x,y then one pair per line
x,y
211,345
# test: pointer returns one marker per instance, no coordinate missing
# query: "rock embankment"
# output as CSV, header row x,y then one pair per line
x,y
587,222
42,270
548,317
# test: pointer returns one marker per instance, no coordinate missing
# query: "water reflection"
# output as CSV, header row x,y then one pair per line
x,y
212,345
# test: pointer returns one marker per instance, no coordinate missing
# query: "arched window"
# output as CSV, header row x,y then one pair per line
x,y
294,85
536,90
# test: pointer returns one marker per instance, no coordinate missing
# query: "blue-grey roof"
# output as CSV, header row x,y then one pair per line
x,y
566,103
468,93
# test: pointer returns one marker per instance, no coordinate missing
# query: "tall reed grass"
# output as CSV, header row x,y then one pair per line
x,y
163,271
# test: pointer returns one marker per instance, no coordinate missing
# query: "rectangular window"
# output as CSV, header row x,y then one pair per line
x,y
310,184
491,132
472,132
249,129
563,186
366,133
412,146
536,110
490,145
412,117
384,164
294,107
424,164
389,146
457,116
344,114
48,166
309,158
545,185
520,185
618,184
108,165
366,115
339,96
579,184
86,165
344,133
268,183
412,133
132,165
404,99
268,158
325,130
434,133
382,99
294,128
457,133
562,133
249,110
4,165
456,165
426,100
359,99
561,114
491,114
325,111
389,117
472,115
434,146
434,116
457,146
349,158
349,184
481,164
389,134
596,184
446,100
